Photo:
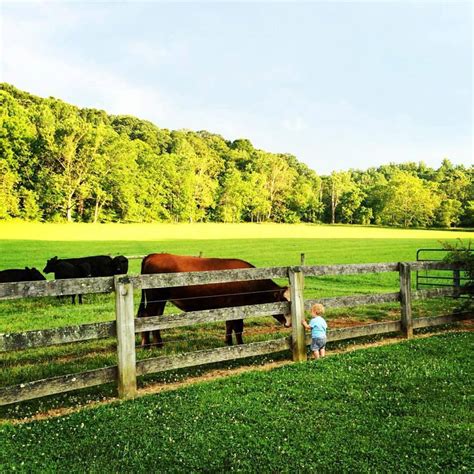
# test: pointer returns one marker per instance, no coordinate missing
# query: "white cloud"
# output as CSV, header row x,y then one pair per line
x,y
82,83
31,60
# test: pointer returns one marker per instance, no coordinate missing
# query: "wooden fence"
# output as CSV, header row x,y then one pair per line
x,y
125,327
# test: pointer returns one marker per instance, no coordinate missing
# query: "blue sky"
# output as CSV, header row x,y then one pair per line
x,y
338,84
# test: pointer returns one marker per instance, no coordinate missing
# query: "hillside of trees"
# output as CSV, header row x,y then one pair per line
x,y
59,162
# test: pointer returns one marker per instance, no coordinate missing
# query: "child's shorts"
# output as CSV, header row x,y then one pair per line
x,y
318,343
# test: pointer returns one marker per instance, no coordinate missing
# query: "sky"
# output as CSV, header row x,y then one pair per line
x,y
337,84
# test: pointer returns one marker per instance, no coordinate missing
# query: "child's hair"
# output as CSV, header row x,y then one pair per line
x,y
317,309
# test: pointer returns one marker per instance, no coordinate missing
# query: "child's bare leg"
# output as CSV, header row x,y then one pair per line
x,y
316,354
322,352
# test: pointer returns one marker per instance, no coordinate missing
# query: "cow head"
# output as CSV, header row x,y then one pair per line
x,y
35,275
285,319
50,265
120,265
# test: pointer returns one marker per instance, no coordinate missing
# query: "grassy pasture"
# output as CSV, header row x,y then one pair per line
x,y
397,408
262,244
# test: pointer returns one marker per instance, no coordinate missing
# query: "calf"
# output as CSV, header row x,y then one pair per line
x,y
14,274
63,270
100,265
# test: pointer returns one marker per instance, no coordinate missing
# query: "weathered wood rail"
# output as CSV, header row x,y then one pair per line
x,y
125,327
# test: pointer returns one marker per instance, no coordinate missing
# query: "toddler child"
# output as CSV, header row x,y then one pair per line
x,y
318,327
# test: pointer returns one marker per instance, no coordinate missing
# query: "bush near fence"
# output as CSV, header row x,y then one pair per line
x,y
126,326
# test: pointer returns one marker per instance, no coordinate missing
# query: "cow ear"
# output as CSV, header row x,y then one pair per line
x,y
26,268
287,294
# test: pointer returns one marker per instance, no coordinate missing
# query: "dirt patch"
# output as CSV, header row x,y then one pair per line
x,y
345,323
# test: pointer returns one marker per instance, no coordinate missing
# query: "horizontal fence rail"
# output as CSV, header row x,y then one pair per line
x,y
349,269
222,354
126,326
437,292
170,280
440,320
51,337
64,287
361,331
209,316
354,300
416,266
55,385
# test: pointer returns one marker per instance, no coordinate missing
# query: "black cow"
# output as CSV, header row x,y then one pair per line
x,y
14,274
100,265
63,270
120,265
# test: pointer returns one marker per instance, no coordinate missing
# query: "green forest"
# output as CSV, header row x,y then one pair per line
x,y
60,163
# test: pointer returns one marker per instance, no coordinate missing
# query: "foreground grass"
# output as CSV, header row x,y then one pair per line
x,y
395,408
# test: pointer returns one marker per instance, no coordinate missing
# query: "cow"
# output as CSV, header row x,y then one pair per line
x,y
63,270
14,274
100,265
119,265
202,297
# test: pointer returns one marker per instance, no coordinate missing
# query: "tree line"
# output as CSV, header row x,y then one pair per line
x,y
59,162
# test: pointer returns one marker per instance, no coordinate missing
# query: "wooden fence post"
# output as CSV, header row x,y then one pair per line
x,y
296,277
303,258
405,300
126,357
457,283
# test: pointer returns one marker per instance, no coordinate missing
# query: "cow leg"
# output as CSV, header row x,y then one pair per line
x,y
73,299
145,339
239,329
156,335
153,309
229,326
79,298
142,313
157,341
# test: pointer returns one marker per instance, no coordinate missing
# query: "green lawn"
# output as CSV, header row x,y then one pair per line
x,y
399,408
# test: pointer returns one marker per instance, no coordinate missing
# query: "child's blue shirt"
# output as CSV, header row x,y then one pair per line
x,y
318,327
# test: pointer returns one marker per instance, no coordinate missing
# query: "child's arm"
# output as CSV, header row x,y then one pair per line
x,y
305,324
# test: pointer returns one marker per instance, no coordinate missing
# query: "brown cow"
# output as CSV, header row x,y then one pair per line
x,y
201,297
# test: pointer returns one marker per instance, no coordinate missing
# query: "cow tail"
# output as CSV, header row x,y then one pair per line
x,y
141,308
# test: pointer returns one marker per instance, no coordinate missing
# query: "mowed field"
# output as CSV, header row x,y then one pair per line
x,y
264,245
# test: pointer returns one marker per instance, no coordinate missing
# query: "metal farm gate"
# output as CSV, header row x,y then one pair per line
x,y
430,278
